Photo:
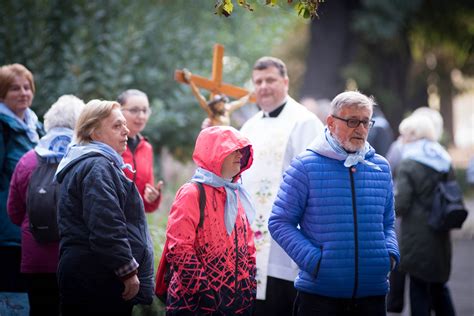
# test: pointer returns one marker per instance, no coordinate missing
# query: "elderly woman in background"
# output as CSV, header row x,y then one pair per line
x,y
106,253
396,295
139,152
39,261
425,254
19,132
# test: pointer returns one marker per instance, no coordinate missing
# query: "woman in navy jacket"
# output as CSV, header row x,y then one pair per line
x,y
106,255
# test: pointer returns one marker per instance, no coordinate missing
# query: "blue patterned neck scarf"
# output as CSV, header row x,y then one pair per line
x,y
350,159
230,213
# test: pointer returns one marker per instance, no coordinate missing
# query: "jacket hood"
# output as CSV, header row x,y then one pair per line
x,y
215,143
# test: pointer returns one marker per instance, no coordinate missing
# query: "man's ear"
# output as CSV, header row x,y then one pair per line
x,y
330,122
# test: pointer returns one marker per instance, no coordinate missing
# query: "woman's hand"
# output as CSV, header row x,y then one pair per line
x,y
132,285
152,192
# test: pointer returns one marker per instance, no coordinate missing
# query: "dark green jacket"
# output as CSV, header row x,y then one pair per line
x,y
424,253
14,142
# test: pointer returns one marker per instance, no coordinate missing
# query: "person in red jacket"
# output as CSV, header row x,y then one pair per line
x,y
139,153
213,264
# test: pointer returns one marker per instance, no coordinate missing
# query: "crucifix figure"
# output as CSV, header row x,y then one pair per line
x,y
218,108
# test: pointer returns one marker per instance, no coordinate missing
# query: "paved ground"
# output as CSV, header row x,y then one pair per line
x,y
461,282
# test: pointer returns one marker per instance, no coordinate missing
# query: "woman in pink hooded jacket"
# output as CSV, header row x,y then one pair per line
x,y
213,264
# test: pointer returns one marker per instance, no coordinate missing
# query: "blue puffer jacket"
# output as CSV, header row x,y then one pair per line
x,y
346,224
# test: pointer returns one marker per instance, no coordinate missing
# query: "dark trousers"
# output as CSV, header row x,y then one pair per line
x,y
425,296
279,299
43,293
11,280
311,304
396,295
97,310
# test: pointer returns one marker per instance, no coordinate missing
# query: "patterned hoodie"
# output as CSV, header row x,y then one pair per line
x,y
212,272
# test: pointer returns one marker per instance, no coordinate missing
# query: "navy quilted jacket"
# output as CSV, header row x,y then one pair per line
x,y
337,224
102,225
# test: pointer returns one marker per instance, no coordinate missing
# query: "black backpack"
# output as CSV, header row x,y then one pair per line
x,y
448,210
41,202
163,273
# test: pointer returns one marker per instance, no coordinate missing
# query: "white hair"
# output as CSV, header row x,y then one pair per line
x,y
416,127
435,118
351,98
64,112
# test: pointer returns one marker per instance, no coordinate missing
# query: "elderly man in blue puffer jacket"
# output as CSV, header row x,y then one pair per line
x,y
334,216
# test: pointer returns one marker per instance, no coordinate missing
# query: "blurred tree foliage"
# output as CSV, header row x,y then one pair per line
x,y
399,51
96,49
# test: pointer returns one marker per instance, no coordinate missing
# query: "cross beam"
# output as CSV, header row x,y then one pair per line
x,y
215,84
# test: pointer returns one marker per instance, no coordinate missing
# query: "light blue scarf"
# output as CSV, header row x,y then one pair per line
x,y
328,146
351,159
53,145
28,123
230,213
76,151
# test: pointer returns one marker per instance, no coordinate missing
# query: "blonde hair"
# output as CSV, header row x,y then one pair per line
x,y
416,127
64,112
92,115
8,74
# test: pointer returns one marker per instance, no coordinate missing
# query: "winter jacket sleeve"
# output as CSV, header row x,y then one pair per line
x,y
16,204
189,286
389,227
103,214
252,251
287,211
404,189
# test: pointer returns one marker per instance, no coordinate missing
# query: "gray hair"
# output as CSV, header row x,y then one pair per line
x,y
416,127
351,98
122,98
64,112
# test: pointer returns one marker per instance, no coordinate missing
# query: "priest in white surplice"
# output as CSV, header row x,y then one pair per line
x,y
281,130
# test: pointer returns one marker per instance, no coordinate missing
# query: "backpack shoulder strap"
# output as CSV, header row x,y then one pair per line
x,y
202,202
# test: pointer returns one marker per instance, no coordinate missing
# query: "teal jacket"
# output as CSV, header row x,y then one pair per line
x,y
14,143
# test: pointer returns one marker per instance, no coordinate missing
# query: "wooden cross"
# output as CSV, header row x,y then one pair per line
x,y
215,84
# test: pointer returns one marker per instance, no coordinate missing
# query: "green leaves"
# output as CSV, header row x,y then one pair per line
x,y
304,8
224,7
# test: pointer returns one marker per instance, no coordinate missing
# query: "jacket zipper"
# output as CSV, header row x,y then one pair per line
x,y
356,241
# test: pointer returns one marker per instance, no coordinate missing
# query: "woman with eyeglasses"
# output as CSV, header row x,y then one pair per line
x,y
139,153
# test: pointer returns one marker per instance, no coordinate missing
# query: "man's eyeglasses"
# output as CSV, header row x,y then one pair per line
x,y
136,111
354,123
